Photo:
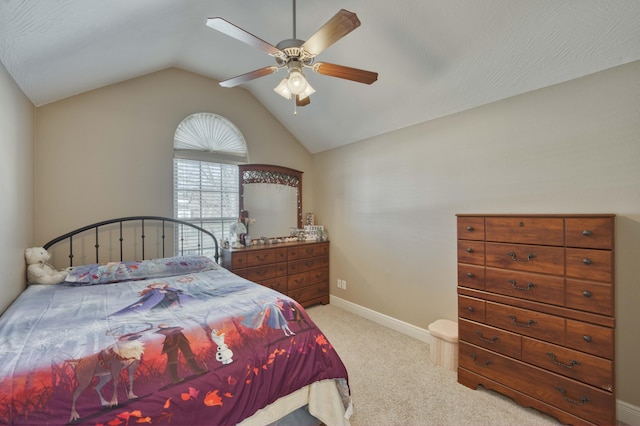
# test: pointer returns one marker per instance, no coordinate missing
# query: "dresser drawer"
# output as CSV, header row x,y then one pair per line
x,y
527,258
261,257
471,252
238,261
471,308
586,368
491,338
591,297
471,276
297,281
470,228
525,285
322,249
593,339
318,276
570,395
592,265
308,264
589,232
311,293
260,273
281,269
306,250
281,255
277,284
526,322
525,230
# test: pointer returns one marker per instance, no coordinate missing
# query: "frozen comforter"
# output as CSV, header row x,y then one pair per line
x,y
175,341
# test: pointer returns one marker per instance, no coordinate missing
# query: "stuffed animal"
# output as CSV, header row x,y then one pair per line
x,y
38,270
224,354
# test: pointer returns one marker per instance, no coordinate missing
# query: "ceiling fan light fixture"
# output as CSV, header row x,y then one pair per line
x,y
282,89
296,82
308,91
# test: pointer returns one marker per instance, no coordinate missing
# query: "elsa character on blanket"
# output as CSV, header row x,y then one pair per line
x,y
271,315
157,295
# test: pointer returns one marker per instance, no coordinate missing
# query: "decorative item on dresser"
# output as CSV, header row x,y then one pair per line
x,y
536,311
298,269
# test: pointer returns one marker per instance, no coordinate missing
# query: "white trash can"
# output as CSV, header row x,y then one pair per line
x,y
444,343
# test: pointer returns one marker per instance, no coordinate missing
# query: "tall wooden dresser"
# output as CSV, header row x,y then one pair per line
x,y
298,269
536,311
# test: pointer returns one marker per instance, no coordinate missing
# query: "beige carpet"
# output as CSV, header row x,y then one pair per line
x,y
394,382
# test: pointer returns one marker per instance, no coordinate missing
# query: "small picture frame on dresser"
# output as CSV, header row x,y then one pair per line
x,y
312,232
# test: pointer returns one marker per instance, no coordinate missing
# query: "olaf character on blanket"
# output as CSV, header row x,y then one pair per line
x,y
224,354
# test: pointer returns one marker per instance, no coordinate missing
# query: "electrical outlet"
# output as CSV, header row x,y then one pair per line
x,y
344,285
341,284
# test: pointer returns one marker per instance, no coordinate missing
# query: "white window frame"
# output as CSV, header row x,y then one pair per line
x,y
207,150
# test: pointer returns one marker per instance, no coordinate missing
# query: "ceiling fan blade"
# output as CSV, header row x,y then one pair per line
x,y
235,81
333,30
348,73
303,102
226,27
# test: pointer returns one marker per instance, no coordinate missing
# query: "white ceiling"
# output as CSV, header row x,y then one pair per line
x,y
434,57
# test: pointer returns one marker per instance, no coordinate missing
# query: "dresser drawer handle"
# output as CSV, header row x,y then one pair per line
x,y
586,233
262,258
470,274
469,250
470,309
587,261
527,324
514,257
582,401
527,288
469,228
478,363
493,340
586,293
562,364
587,338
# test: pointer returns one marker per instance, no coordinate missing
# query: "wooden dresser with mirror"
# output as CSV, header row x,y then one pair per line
x,y
536,313
272,195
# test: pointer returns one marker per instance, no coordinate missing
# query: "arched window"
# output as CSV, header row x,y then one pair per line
x,y
209,137
207,151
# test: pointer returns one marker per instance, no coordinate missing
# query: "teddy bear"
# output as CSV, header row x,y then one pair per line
x,y
224,354
38,270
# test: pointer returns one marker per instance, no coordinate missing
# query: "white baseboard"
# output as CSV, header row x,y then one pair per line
x,y
400,326
627,413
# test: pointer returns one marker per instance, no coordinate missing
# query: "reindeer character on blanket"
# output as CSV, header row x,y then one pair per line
x,y
107,365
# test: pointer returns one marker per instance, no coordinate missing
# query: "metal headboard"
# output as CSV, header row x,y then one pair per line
x,y
159,222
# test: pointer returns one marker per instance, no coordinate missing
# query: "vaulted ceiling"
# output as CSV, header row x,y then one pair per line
x,y
434,57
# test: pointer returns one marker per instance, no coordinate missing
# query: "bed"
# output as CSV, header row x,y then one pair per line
x,y
164,339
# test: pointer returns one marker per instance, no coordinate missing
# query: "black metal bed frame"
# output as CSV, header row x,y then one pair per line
x,y
142,219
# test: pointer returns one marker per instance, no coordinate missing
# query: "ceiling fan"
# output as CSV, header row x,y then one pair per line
x,y
294,55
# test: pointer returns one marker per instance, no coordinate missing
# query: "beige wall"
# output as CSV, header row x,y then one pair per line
x,y
17,115
389,203
109,152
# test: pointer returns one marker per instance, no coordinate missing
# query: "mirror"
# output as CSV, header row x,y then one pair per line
x,y
272,196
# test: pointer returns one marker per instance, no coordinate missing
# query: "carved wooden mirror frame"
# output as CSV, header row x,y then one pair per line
x,y
270,174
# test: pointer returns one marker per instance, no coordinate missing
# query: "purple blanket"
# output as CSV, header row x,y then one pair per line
x,y
199,348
